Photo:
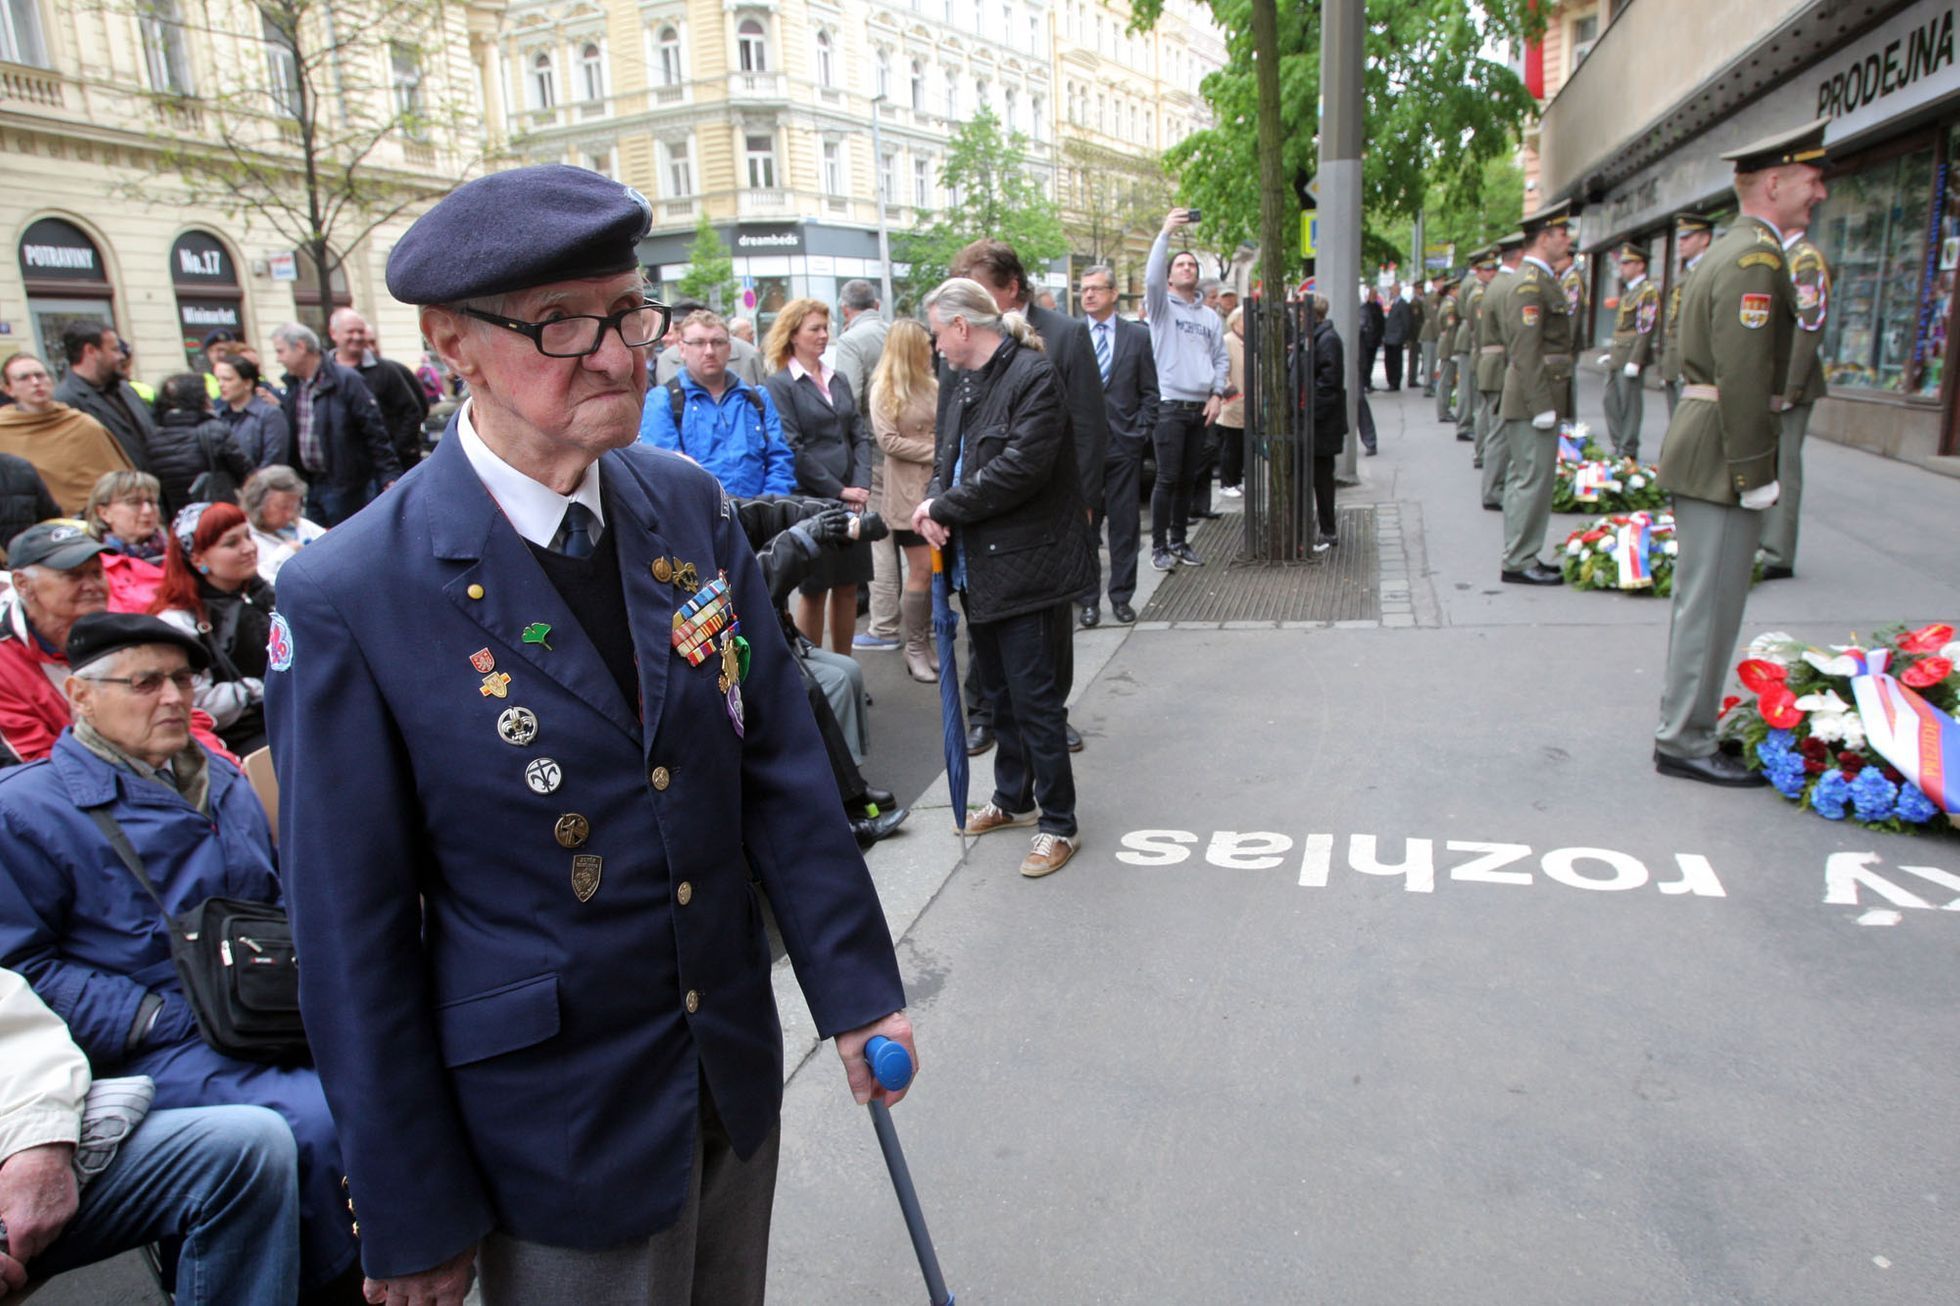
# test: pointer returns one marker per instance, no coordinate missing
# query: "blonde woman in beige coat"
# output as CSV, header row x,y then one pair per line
x,y
904,401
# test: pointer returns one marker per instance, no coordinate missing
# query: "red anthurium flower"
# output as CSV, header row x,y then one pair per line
x,y
1757,675
1779,707
1927,639
1927,672
1728,706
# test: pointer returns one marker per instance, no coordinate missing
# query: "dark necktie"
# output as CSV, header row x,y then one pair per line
x,y
1102,351
575,532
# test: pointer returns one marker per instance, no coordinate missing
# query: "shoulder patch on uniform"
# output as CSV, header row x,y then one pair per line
x,y
1755,311
1530,314
279,644
1649,311
1761,259
1525,288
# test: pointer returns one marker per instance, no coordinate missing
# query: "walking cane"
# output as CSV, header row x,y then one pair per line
x,y
891,1066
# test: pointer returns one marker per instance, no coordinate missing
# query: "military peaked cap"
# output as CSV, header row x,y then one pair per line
x,y
1629,249
1505,244
1686,224
1556,215
518,229
1798,145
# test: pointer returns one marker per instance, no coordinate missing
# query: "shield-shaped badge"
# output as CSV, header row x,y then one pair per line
x,y
1649,311
586,870
1755,311
1530,314
484,661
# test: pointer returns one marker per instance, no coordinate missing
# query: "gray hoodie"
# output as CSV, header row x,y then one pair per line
x,y
1188,338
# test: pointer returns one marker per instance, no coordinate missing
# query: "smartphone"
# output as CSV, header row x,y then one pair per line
x,y
1194,216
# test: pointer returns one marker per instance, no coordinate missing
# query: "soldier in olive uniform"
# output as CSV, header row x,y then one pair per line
x,y
1449,320
1633,349
1431,319
1572,280
1719,461
1492,454
1482,267
1692,232
1811,279
1535,328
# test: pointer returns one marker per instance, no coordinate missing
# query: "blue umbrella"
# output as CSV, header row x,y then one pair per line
x,y
952,720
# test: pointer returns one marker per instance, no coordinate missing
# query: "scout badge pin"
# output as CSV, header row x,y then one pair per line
x,y
538,633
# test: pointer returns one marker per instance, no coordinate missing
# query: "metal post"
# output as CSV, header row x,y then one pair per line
x,y
1337,264
878,188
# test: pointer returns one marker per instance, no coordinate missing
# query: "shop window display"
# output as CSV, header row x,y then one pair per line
x,y
1945,260
1873,230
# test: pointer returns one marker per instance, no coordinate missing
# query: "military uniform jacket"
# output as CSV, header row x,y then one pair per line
x,y
1535,328
1573,283
1490,345
1810,277
1430,317
1452,316
1466,331
1671,345
1737,319
1633,328
498,1052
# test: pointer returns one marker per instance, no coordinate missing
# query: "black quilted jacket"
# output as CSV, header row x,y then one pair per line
x,y
1018,507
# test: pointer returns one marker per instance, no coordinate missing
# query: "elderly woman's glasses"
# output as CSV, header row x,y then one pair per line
x,y
575,337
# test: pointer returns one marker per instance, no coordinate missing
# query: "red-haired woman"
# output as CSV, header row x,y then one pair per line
x,y
212,589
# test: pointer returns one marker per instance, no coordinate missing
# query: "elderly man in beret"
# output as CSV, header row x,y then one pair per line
x,y
572,738
95,947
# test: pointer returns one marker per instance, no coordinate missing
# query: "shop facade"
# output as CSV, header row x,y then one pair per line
x,y
1890,229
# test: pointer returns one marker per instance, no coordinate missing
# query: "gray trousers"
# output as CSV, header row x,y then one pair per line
x,y
1527,491
1626,405
1780,522
1446,389
716,1254
883,621
1428,367
1466,397
1492,448
1711,583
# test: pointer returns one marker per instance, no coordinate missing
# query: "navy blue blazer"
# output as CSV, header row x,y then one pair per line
x,y
498,1053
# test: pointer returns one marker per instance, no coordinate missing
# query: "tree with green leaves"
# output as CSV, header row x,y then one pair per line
x,y
991,191
1112,201
1447,220
710,275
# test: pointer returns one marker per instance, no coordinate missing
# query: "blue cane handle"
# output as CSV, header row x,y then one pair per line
x,y
891,1064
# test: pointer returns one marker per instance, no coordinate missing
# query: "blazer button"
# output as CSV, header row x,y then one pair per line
x,y
693,1002
660,778
685,893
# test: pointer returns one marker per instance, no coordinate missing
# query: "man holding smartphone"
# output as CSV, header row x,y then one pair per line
x,y
1193,370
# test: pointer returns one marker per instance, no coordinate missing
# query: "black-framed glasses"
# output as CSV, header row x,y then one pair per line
x,y
150,683
577,336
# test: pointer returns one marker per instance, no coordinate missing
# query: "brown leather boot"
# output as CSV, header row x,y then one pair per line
x,y
915,616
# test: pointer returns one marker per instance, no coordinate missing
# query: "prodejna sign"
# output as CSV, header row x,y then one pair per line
x,y
1899,66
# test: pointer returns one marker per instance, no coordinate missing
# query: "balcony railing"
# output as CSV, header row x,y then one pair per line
x,y
19,82
756,86
757,203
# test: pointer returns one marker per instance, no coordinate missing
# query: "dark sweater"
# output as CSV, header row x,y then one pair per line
x,y
593,590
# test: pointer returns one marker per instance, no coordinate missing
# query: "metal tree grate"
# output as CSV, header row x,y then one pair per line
x,y
1342,584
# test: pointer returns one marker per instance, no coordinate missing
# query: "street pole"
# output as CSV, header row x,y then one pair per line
x,y
884,232
1337,265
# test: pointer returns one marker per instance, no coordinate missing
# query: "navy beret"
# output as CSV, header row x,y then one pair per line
x,y
518,229
99,634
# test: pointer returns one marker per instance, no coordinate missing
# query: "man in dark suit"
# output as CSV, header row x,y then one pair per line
x,y
340,440
536,728
1128,371
95,385
1398,333
997,267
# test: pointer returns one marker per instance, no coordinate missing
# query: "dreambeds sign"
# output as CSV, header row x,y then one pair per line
x,y
1902,65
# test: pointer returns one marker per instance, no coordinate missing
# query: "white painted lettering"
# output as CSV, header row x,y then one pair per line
x,y
1156,847
1419,867
1257,851
1945,879
1562,864
1316,857
1483,869
1697,877
1844,872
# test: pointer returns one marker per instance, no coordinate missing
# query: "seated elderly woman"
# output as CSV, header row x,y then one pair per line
x,y
212,591
274,498
94,946
122,513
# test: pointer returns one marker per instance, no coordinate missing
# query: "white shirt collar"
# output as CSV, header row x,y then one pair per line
x,y
1790,239
535,510
1635,283
821,376
1539,262
1696,259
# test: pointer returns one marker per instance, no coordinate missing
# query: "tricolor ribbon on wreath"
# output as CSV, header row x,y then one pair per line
x,y
1588,480
1633,546
1910,733
1571,448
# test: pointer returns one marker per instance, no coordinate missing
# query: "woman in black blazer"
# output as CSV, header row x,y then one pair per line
x,y
824,428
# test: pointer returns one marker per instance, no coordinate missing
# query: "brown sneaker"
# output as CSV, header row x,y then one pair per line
x,y
1049,854
992,817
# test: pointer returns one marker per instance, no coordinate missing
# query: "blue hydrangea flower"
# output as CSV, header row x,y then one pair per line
x,y
1787,774
1873,795
1914,807
1833,791
1781,741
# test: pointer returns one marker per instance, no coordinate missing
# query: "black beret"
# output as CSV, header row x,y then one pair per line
x,y
99,634
518,229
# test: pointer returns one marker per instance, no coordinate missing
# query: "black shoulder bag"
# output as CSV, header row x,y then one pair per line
x,y
237,964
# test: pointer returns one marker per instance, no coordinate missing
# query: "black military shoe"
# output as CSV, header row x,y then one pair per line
x,y
1071,738
1536,574
1717,768
870,829
979,739
1779,573
1121,613
871,800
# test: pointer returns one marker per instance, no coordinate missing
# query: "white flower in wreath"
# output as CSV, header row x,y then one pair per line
x,y
1574,548
1951,652
1581,432
1611,485
1772,646
1636,482
1826,701
1670,548
1830,666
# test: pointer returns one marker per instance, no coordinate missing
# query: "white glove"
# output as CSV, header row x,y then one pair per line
x,y
1606,360
1546,420
1763,496
1632,369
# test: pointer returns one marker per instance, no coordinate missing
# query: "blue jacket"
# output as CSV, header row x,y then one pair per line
x,y
498,1053
743,448
75,922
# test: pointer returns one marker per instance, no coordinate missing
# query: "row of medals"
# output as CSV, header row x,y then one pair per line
x,y
518,726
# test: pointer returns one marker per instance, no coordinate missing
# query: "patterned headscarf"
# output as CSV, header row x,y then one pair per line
x,y
184,525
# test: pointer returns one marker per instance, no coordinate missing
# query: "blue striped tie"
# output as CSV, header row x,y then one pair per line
x,y
1102,351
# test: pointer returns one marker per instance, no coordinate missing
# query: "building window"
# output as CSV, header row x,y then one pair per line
x,y
833,168
761,151
952,95
20,33
281,67
881,78
1873,233
918,86
166,54
979,94
544,82
752,46
592,72
1939,307
668,42
1038,111
406,72
886,186
1580,35
680,171
1034,32
600,161
1010,100
921,183
826,61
